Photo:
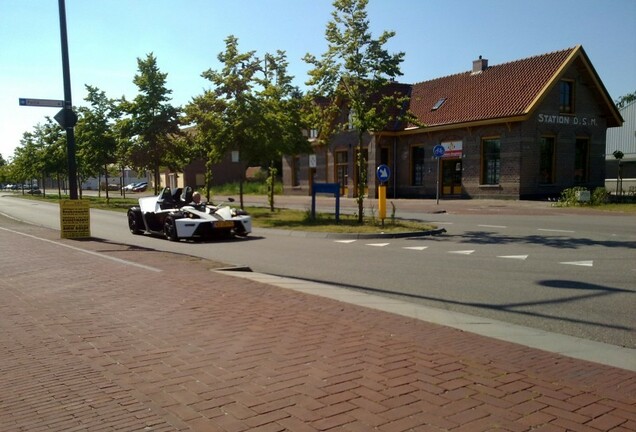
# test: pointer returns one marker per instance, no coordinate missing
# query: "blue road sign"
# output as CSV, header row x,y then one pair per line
x,y
383,172
438,151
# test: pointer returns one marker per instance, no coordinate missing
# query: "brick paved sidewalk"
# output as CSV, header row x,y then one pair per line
x,y
91,343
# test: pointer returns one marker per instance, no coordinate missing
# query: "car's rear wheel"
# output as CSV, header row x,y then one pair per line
x,y
170,229
134,221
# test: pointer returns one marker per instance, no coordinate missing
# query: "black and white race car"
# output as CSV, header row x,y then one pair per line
x,y
173,214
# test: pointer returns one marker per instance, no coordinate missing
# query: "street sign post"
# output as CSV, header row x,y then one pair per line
x,y
42,102
383,172
438,153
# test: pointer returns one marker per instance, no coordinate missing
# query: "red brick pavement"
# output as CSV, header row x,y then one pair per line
x,y
93,344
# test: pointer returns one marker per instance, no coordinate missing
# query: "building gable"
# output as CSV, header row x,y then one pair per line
x,y
506,92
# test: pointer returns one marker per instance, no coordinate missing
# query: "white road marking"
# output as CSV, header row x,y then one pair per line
x,y
555,230
492,226
378,244
344,241
419,248
462,252
519,257
579,263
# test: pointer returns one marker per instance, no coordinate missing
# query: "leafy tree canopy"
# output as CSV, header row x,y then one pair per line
x,y
625,99
152,125
354,72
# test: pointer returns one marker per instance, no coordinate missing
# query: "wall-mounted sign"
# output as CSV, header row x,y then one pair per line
x,y
567,120
452,149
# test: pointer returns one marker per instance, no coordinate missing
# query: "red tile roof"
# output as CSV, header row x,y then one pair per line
x,y
505,91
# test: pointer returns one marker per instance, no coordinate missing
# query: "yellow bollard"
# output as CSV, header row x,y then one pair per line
x,y
382,202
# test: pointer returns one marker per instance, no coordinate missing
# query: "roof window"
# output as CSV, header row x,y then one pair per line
x,y
438,104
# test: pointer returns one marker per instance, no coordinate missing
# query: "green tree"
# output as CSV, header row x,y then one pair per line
x,y
206,140
4,171
95,135
27,161
625,99
355,70
53,160
280,116
41,155
235,107
152,125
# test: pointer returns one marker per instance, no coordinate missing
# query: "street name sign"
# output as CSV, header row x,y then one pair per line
x,y
42,102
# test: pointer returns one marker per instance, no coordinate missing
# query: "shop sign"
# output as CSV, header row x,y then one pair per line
x,y
452,149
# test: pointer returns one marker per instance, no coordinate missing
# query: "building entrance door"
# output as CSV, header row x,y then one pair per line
x,y
451,177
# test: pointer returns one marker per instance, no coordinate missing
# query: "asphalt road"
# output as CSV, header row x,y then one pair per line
x,y
569,274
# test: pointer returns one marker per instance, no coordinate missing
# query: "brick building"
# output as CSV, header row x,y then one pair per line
x,y
524,129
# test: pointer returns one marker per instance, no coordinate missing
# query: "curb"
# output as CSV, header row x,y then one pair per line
x,y
353,236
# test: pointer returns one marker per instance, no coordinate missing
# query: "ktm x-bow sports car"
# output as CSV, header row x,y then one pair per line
x,y
173,214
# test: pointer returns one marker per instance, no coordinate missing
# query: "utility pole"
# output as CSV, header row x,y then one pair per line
x,y
67,118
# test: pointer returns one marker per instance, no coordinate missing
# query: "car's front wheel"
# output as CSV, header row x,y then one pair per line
x,y
170,229
134,221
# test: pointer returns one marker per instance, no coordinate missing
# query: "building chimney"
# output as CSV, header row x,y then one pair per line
x,y
480,65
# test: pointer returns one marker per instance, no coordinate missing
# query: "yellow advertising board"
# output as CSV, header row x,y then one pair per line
x,y
75,220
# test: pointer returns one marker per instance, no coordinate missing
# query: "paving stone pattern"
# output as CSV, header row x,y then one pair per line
x,y
91,344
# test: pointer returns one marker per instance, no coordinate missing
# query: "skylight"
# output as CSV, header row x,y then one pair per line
x,y
438,104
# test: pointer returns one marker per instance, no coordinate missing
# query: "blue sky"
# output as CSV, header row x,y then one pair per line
x,y
438,37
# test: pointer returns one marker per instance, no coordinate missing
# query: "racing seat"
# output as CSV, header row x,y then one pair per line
x,y
187,195
165,201
176,197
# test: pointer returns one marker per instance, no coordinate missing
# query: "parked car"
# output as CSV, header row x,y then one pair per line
x,y
140,187
34,191
111,186
129,187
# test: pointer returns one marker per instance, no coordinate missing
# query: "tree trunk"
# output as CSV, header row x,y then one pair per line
x,y
208,179
361,175
106,180
242,179
271,183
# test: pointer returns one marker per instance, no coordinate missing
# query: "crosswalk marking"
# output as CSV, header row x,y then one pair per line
x,y
579,263
589,263
519,257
